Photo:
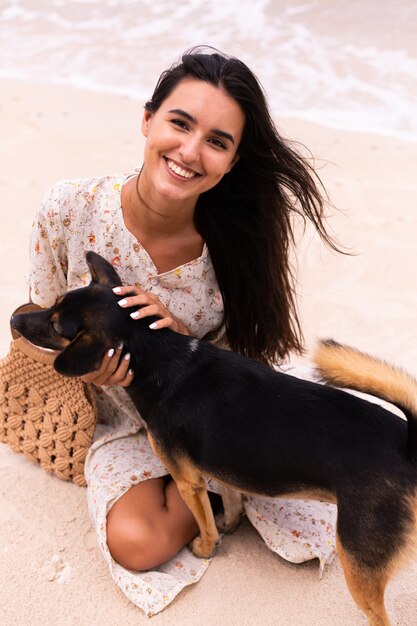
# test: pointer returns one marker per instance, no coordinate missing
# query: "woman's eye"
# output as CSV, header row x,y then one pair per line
x,y
218,143
180,123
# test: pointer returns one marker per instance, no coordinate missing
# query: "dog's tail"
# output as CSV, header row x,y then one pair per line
x,y
344,366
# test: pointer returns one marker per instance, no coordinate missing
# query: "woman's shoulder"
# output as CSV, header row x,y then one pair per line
x,y
87,187
78,198
75,203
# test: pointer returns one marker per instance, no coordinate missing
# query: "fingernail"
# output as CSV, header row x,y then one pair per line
x,y
110,352
117,289
135,314
130,372
153,325
120,345
122,302
127,356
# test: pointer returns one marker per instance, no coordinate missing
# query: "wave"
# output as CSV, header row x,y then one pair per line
x,y
333,71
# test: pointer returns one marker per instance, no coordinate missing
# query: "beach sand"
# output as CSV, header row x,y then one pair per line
x,y
368,299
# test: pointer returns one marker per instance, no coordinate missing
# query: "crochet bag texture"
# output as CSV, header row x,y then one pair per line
x,y
45,416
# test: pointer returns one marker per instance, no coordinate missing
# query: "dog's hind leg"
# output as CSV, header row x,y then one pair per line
x,y
367,587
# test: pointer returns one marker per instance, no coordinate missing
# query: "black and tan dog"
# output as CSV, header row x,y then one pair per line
x,y
214,413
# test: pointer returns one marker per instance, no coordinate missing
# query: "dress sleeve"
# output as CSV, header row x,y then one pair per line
x,y
48,252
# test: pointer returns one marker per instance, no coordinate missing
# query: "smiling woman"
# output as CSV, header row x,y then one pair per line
x,y
201,239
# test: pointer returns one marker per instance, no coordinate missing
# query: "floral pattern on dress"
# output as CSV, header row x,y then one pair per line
x,y
297,530
81,215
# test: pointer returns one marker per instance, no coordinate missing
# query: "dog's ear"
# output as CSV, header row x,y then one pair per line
x,y
82,356
101,270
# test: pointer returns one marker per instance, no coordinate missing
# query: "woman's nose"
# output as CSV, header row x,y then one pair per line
x,y
190,149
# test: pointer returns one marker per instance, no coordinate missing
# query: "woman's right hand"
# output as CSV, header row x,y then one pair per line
x,y
114,370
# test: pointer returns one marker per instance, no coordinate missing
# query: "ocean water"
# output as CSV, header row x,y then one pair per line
x,y
347,64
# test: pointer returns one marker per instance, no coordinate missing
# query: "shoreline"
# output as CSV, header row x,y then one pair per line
x,y
310,117
369,300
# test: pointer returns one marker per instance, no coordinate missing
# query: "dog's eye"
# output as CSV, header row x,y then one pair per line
x,y
55,325
66,325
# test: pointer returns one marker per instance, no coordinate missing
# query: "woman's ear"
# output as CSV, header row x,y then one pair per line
x,y
146,119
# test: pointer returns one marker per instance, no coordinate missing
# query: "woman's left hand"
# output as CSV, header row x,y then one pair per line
x,y
150,306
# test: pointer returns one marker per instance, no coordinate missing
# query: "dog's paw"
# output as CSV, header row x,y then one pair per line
x,y
203,549
227,525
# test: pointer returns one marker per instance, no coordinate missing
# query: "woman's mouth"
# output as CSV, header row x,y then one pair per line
x,y
180,171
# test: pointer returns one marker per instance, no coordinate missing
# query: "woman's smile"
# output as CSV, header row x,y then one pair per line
x,y
180,171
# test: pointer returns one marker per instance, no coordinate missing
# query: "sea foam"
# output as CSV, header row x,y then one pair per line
x,y
316,61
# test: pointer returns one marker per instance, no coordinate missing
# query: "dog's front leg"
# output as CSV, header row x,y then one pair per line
x,y
193,491
233,509
194,494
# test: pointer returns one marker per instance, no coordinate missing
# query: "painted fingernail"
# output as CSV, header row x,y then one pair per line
x,y
153,325
127,356
122,302
120,345
130,372
135,314
110,352
117,289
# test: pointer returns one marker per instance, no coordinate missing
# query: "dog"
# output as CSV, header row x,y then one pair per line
x,y
211,412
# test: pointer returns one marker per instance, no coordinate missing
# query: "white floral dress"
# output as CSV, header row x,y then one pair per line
x,y
80,215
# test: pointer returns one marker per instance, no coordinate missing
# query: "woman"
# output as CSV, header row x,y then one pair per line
x,y
202,233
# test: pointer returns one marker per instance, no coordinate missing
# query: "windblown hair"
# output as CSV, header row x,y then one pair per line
x,y
246,219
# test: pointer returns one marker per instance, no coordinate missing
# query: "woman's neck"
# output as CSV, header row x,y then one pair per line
x,y
142,215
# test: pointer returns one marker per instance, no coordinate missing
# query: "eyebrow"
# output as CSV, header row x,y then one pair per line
x,y
190,118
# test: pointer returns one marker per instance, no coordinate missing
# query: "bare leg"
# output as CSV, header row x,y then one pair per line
x,y
149,524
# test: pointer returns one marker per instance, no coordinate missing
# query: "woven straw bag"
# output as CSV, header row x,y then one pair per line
x,y
47,417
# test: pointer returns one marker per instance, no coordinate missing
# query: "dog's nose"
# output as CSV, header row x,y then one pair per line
x,y
13,321
15,326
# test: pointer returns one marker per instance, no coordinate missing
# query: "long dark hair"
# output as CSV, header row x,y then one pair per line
x,y
246,219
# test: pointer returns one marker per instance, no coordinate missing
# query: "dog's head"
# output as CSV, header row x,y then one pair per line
x,y
83,325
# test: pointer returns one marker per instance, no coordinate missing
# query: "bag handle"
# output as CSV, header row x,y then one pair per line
x,y
41,355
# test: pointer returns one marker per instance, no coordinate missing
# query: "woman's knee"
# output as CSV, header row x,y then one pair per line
x,y
140,533
148,525
134,542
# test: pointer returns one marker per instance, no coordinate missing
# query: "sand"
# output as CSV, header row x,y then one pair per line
x,y
51,572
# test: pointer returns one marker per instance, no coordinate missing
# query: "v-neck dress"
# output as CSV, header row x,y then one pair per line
x,y
86,214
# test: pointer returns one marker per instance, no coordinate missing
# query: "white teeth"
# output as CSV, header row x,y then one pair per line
x,y
178,170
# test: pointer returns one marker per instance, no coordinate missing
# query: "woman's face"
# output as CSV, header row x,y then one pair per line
x,y
192,141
